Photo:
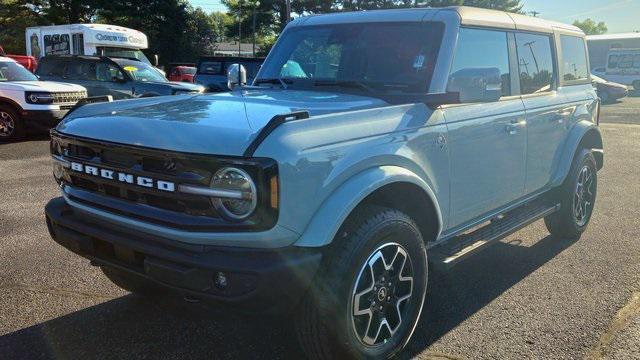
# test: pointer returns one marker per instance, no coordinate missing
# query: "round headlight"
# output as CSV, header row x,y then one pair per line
x,y
34,98
236,181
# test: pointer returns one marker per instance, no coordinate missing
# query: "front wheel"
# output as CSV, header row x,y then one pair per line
x,y
368,296
577,197
11,126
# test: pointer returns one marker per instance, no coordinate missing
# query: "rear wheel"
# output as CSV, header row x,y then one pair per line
x,y
368,296
577,198
11,125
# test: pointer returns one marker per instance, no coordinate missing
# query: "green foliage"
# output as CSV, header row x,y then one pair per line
x,y
590,27
15,17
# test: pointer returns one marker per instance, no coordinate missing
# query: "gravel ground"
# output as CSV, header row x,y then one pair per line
x,y
530,296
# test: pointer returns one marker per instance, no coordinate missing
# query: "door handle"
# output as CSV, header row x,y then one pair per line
x,y
512,128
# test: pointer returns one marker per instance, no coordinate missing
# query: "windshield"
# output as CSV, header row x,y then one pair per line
x,y
385,57
140,71
188,70
124,53
11,71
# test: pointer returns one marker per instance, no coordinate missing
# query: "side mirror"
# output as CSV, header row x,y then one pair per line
x,y
156,60
476,84
236,76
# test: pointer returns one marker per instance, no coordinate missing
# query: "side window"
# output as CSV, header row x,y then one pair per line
x,y
535,63
494,48
81,70
574,58
51,67
108,72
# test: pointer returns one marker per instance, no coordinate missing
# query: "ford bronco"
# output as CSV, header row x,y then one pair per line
x,y
371,147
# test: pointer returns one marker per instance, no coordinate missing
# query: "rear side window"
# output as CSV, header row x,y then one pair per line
x,y
574,59
483,49
51,67
535,63
81,70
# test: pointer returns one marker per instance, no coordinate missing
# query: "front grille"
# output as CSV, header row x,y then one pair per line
x,y
150,204
68,97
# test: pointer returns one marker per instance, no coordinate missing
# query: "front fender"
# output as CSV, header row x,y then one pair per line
x,y
583,132
336,208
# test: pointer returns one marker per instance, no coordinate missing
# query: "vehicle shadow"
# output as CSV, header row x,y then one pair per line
x,y
130,327
30,137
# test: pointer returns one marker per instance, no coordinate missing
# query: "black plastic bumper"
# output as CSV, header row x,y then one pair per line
x,y
256,279
42,119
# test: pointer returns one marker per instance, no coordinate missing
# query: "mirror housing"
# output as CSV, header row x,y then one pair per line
x,y
476,85
156,60
236,76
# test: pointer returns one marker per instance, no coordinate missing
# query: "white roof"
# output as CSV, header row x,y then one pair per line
x,y
468,16
98,27
6,59
620,36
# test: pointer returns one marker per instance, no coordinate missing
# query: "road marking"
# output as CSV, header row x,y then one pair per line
x,y
622,319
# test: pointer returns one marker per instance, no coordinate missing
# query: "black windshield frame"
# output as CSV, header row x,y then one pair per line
x,y
430,42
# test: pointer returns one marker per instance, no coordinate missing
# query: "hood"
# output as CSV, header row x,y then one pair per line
x,y
220,124
48,86
175,85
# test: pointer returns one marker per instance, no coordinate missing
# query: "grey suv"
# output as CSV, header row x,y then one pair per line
x,y
121,78
371,147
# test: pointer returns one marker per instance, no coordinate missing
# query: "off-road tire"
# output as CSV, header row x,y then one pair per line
x,y
564,224
18,124
133,284
323,320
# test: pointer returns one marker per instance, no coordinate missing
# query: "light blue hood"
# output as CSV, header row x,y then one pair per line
x,y
221,124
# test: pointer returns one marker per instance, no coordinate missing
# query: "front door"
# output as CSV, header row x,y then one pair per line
x,y
488,140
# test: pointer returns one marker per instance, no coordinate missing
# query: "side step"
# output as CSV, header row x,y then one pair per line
x,y
460,247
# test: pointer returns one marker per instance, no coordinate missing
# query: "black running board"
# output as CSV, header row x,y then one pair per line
x,y
454,250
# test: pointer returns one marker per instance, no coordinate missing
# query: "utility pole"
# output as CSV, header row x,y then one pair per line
x,y
255,7
534,13
288,3
535,60
239,25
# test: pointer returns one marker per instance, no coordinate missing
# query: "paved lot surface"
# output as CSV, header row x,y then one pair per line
x,y
530,296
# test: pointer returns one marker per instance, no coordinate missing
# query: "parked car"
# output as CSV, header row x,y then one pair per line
x,y
212,71
609,91
27,103
182,72
121,78
29,62
330,193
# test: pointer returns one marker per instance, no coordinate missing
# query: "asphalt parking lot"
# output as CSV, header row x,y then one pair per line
x,y
530,296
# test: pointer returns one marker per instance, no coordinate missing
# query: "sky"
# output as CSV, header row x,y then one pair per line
x,y
619,15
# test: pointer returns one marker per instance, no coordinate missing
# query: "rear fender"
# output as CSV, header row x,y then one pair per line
x,y
336,208
584,134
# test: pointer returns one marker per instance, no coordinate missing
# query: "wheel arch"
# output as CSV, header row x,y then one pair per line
x,y
584,135
390,186
14,105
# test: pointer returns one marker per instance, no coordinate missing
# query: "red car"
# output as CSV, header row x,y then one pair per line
x,y
28,62
182,73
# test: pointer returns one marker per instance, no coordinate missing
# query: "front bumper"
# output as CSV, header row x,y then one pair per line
x,y
256,279
42,119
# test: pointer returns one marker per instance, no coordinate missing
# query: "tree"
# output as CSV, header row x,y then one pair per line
x,y
590,27
15,17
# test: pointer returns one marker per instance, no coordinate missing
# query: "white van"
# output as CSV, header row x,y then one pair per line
x,y
623,66
86,39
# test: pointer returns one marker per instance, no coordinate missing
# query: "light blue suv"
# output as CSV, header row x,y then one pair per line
x,y
371,147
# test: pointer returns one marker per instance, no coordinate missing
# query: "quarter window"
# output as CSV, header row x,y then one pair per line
x,y
574,58
535,63
483,49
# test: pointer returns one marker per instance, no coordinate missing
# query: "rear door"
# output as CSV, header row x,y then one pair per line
x,y
487,140
546,108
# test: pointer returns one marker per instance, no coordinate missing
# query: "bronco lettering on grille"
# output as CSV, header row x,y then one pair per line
x,y
123,177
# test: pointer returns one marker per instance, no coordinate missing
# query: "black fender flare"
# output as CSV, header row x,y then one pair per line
x,y
585,134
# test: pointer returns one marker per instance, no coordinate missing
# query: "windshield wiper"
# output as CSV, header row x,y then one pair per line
x,y
275,81
345,84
